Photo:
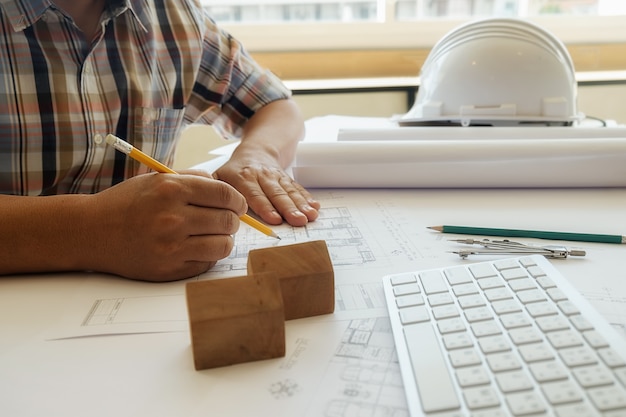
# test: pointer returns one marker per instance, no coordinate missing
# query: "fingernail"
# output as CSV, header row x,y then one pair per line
x,y
298,213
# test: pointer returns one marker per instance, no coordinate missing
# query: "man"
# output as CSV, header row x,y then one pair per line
x,y
72,71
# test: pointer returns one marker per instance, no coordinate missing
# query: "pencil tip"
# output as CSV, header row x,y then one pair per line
x,y
437,228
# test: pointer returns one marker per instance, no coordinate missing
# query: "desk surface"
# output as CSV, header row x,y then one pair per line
x,y
336,365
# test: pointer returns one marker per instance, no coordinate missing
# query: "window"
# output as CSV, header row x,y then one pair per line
x,y
299,25
294,11
272,11
359,32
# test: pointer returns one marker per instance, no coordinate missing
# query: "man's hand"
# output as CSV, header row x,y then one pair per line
x,y
162,227
153,227
270,192
256,167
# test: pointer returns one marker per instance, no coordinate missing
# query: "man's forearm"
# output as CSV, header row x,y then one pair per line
x,y
276,130
43,234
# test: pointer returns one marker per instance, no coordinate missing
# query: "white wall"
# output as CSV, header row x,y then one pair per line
x,y
603,101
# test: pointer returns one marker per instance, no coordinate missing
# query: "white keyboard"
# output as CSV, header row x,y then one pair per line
x,y
508,337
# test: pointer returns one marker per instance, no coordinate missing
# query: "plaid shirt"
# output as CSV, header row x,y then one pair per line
x,y
156,66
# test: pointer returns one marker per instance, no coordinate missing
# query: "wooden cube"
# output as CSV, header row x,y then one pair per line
x,y
235,320
306,276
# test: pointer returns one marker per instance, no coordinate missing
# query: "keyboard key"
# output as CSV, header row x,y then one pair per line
x,y
464,357
478,314
514,381
458,275
525,403
531,296
409,300
469,301
485,328
524,335
578,356
562,392
621,375
472,376
503,264
435,386
433,282
593,376
403,279
513,320
595,339
541,309
457,341
609,398
482,270
552,323
611,358
506,361
495,294
574,410
492,344
451,325
405,289
568,308
522,284
416,314
445,312
493,282
483,397
465,289
528,262
491,412
556,294
506,306
545,282
580,323
514,273
535,352
564,338
548,371
440,299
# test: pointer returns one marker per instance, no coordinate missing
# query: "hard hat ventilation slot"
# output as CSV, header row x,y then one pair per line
x,y
508,109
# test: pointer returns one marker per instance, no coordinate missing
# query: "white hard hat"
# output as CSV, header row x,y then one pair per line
x,y
496,72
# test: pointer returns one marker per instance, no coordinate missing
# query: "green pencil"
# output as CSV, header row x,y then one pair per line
x,y
539,234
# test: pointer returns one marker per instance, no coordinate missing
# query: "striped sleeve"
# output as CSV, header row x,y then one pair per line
x,y
230,86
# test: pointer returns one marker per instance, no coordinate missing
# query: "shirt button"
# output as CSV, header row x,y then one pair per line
x,y
98,139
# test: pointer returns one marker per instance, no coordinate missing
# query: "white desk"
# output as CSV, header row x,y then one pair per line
x,y
336,365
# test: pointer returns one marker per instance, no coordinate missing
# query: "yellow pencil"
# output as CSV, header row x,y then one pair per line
x,y
128,149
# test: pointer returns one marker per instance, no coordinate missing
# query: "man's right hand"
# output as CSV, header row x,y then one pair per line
x,y
161,227
152,227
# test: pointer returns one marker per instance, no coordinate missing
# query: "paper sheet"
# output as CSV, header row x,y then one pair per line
x,y
341,364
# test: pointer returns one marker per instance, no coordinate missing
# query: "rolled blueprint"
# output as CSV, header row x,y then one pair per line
x,y
464,163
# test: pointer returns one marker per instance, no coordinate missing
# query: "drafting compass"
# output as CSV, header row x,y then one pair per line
x,y
508,247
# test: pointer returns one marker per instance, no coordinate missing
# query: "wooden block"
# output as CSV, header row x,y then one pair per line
x,y
235,320
306,276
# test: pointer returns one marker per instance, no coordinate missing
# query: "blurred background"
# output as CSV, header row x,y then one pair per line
x,y
363,57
